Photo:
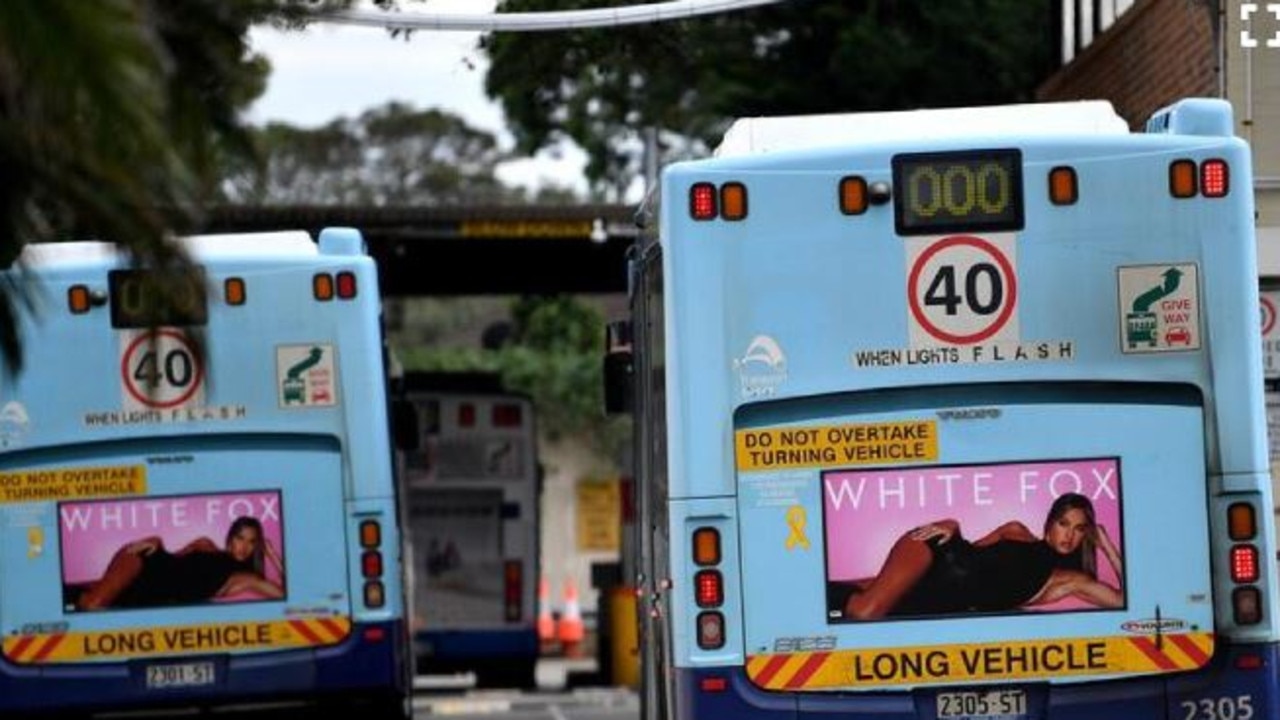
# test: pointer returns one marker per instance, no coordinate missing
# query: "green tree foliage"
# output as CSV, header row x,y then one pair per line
x,y
551,350
388,156
601,87
117,118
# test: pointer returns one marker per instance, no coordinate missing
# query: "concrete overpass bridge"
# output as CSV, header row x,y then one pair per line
x,y
470,250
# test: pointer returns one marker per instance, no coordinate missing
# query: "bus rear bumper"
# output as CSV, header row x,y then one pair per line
x,y
368,665
1240,683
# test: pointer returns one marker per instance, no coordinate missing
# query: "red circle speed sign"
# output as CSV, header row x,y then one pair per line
x,y
962,290
161,369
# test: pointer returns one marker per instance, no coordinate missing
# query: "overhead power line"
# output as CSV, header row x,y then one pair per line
x,y
539,21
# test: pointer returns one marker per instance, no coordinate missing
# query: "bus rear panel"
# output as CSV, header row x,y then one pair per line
x,y
201,514
959,427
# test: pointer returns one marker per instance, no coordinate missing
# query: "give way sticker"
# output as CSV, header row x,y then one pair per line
x,y
962,290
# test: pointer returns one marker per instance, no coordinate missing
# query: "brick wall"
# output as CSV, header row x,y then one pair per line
x,y
1157,52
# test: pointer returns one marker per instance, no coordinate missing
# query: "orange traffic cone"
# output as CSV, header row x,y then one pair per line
x,y
546,623
570,630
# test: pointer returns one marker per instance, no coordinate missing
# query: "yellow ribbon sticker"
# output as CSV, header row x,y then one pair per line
x,y
796,519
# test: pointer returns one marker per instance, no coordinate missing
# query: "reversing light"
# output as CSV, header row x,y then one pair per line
x,y
233,291
708,588
733,201
346,285
322,286
1214,178
1246,605
374,594
1241,524
702,201
78,299
1244,564
1063,189
706,546
710,630
853,195
1182,178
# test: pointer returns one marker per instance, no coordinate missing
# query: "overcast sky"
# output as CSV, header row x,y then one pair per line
x,y
330,71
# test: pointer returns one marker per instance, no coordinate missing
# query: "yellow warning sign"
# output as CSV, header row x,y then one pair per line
x,y
1112,655
69,483
178,639
853,444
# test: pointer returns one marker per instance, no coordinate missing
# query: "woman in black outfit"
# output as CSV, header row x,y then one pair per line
x,y
932,569
144,574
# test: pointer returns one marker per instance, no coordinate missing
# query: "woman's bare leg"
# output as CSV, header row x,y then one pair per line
x,y
123,569
908,561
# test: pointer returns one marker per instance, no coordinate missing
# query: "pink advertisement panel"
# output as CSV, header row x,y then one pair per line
x,y
171,551
940,541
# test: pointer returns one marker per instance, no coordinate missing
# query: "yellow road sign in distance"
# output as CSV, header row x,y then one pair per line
x,y
836,445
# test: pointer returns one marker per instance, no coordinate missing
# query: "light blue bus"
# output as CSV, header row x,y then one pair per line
x,y
954,414
199,507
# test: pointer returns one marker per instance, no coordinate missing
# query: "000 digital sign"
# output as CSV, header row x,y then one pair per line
x,y
968,191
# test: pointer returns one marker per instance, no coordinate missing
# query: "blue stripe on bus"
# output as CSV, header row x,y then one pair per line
x,y
466,644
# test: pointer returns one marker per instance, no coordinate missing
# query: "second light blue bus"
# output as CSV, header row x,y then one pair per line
x,y
954,414
198,508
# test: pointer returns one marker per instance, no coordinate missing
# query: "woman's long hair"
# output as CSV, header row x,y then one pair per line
x,y
1085,557
259,558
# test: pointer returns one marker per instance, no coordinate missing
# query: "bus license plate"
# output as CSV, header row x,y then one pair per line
x,y
176,675
982,704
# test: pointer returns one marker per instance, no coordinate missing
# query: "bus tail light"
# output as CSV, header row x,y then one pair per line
x,y
371,564
78,299
1063,189
1241,523
506,415
709,588
322,286
710,631
374,594
1246,605
370,538
512,583
466,415
702,201
346,285
1182,178
233,291
1214,178
1244,564
853,195
706,546
733,201
370,534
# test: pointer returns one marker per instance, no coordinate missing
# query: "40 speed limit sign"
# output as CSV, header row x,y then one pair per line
x,y
962,290
160,370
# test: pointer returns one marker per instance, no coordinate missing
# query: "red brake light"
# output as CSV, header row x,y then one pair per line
x,y
466,415
1244,564
709,590
1214,180
346,285
506,415
371,564
702,201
